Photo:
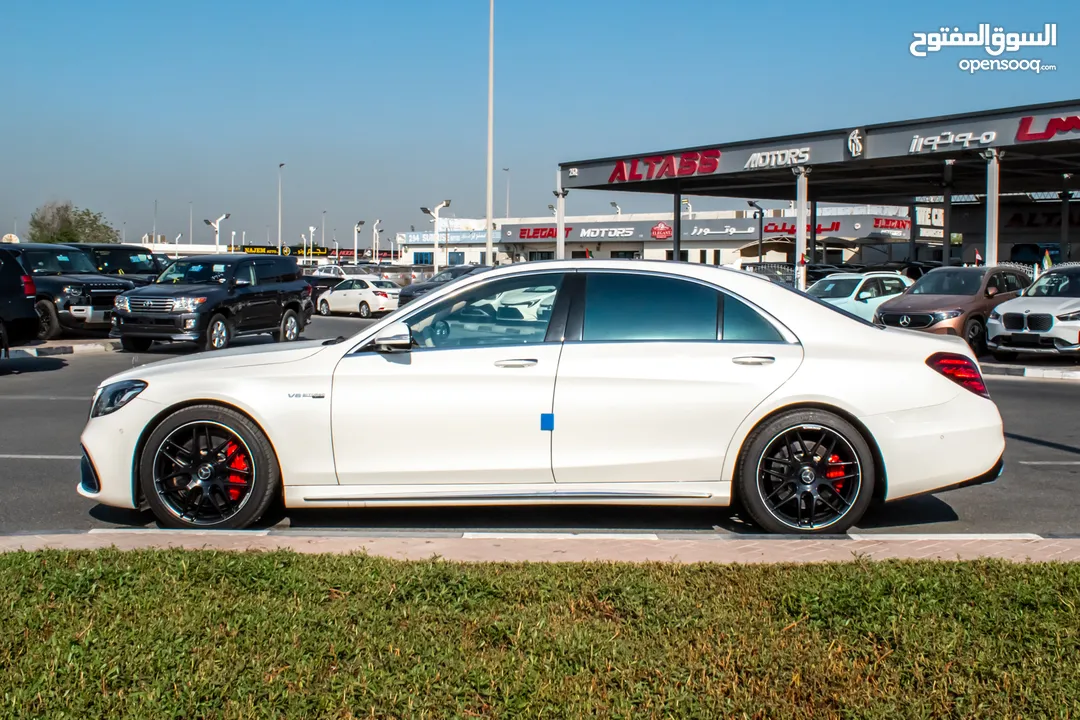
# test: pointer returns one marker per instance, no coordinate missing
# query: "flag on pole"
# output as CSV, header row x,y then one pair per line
x,y
978,257
1046,261
587,254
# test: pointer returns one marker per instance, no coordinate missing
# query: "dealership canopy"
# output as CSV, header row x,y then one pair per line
x,y
1022,149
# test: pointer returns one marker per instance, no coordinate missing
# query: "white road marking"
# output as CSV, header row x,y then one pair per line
x,y
40,457
157,531
945,536
1049,462
557,536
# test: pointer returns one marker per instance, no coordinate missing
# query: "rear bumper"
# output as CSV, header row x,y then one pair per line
x,y
986,478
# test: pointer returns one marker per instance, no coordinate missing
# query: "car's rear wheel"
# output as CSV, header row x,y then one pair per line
x,y
218,333
3,339
806,471
208,467
365,310
134,344
975,334
324,308
48,320
290,327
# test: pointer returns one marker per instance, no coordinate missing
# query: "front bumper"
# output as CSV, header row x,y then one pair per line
x,y
76,316
158,326
1061,339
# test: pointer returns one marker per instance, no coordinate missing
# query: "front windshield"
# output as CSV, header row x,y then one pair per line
x,y
445,276
948,282
122,262
1056,284
829,289
57,262
195,272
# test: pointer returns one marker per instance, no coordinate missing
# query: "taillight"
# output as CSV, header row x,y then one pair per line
x,y
961,370
381,294
28,286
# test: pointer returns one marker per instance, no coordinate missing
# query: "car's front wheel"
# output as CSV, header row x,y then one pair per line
x,y
290,327
806,471
208,467
218,333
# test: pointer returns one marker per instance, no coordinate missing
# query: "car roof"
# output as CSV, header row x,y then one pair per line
x,y
223,257
39,246
110,246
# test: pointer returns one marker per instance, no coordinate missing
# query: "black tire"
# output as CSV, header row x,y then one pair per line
x,y
365,310
4,340
753,475
48,320
1005,357
136,344
975,335
290,328
265,475
324,308
213,339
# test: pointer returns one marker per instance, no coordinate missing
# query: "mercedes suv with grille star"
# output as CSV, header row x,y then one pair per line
x,y
212,299
954,301
1044,320
70,293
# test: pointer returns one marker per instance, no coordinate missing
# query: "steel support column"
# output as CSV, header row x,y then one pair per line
x,y
801,192
676,228
913,237
1064,248
993,190
813,232
560,217
946,212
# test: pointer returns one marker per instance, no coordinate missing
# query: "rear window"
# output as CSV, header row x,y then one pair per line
x,y
383,284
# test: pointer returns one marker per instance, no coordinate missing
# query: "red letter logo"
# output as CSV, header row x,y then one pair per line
x,y
710,162
619,173
1055,126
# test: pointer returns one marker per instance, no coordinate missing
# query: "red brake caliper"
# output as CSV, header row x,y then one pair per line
x,y
833,470
239,462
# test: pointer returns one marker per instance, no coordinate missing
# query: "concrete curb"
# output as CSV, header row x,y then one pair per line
x,y
1011,548
1026,371
72,349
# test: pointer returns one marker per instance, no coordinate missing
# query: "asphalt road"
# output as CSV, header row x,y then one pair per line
x,y
44,403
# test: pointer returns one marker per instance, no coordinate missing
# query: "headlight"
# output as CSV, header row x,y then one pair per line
x,y
121,302
1070,317
995,315
111,398
947,315
187,304
75,290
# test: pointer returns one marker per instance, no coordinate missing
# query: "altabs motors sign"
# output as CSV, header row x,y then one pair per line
x,y
658,167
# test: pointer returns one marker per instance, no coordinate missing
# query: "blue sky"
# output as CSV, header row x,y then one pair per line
x,y
380,107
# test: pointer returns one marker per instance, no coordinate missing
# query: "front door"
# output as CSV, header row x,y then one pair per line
x,y
338,297
663,374
469,404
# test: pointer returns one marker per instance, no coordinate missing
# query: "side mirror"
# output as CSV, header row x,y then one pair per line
x,y
394,338
240,282
863,296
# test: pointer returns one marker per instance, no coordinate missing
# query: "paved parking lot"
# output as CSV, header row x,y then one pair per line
x,y
44,403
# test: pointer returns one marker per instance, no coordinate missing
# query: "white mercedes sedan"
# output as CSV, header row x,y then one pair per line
x,y
732,389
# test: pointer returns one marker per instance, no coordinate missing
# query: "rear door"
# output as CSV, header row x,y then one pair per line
x,y
655,376
268,297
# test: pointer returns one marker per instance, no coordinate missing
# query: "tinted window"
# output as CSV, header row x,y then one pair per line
x,y
345,285
383,284
57,262
121,261
195,272
1012,282
833,288
287,269
360,284
514,311
995,282
625,306
743,323
267,273
893,286
246,271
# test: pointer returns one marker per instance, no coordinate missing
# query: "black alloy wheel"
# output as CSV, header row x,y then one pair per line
x,y
208,466
48,320
806,471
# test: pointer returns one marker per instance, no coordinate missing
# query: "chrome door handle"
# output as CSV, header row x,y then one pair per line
x,y
753,360
519,363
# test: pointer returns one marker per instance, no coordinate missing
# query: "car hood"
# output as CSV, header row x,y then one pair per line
x,y
926,303
222,360
419,288
86,279
1052,305
171,290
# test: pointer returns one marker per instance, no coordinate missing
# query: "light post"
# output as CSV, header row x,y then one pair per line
x,y
552,209
323,240
689,208
356,242
490,141
155,222
280,165
232,241
618,210
375,240
336,253
311,241
507,171
216,224
446,203
760,215
243,239
123,232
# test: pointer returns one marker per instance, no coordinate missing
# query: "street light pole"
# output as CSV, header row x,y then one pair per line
x,y
490,140
375,241
311,241
507,171
280,165
232,241
324,228
356,242
435,215
760,214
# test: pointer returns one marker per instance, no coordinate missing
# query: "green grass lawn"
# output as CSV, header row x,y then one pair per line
x,y
180,634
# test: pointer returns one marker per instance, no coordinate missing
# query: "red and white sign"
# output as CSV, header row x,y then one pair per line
x,y
881,223
784,228
1054,126
662,231
541,233
705,162
623,232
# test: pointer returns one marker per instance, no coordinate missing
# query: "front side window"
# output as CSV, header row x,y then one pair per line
x,y
514,311
633,307
995,283
893,286
120,262
267,273
246,271
345,285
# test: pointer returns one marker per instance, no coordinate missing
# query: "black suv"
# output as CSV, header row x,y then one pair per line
x,y
130,262
213,298
411,292
18,321
70,293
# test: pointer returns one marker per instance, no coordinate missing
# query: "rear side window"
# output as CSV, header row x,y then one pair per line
x,y
631,307
361,284
743,323
287,269
1012,282
267,273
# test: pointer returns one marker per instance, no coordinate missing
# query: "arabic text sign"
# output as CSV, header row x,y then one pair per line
x,y
994,41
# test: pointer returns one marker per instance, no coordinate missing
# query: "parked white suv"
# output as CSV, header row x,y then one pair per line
x,y
1044,320
859,294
